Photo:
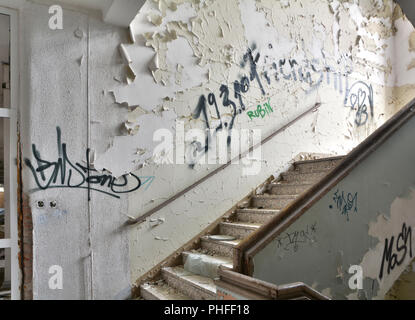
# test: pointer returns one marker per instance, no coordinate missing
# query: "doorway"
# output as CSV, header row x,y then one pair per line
x,y
9,263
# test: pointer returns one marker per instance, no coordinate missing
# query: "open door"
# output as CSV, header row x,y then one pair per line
x,y
9,250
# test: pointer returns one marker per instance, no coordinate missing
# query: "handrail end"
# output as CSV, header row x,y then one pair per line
x,y
134,221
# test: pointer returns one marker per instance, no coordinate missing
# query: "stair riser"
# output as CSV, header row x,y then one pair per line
x,y
303,178
205,268
316,166
147,295
218,248
254,217
282,190
270,203
240,233
188,289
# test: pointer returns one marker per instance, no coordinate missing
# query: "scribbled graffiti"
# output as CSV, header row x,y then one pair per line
x,y
313,73
345,203
290,241
237,105
392,250
261,111
225,122
63,173
360,99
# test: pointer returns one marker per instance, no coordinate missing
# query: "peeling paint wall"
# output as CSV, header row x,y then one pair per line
x,y
63,75
403,288
119,98
191,50
290,54
366,220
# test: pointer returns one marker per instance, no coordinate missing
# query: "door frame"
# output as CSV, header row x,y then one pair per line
x,y
10,170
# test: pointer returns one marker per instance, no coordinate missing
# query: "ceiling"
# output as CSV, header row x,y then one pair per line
x,y
89,4
118,12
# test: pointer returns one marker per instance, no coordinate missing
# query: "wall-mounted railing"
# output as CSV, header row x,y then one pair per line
x,y
143,217
234,286
248,248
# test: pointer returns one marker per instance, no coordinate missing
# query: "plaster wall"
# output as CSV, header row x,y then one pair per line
x,y
111,100
366,220
184,54
403,288
63,77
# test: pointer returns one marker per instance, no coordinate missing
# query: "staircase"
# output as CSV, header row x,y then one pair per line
x,y
194,278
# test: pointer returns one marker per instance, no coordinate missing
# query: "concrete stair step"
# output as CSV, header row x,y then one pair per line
x,y
324,164
220,248
238,229
276,202
195,286
261,216
161,292
287,189
303,178
205,265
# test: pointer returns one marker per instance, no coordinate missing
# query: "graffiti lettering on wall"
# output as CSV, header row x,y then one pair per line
x,y
290,241
360,98
261,111
313,73
63,173
344,202
240,87
394,253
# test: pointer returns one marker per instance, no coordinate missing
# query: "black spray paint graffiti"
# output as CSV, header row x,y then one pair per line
x,y
227,102
403,243
63,173
240,87
344,203
360,97
284,69
290,241
311,72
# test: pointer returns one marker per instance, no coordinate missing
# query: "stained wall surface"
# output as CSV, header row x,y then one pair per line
x,y
132,110
366,220
403,288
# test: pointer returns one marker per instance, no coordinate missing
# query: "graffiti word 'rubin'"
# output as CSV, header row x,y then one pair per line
x,y
261,111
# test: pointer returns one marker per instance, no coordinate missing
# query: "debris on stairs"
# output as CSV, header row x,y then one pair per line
x,y
194,278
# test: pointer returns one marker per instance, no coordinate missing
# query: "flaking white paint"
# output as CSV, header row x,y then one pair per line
x,y
199,46
319,33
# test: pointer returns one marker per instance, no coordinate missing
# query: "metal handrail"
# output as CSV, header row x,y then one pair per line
x,y
247,249
142,218
267,290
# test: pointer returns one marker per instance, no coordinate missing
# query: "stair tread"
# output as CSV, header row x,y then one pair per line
x,y
299,173
334,158
164,292
238,224
292,183
224,261
289,183
232,243
258,210
196,280
276,196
